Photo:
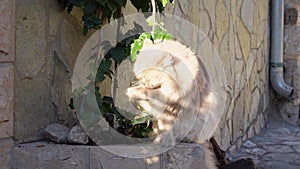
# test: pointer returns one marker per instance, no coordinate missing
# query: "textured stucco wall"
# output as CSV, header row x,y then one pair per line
x,y
290,110
7,61
49,40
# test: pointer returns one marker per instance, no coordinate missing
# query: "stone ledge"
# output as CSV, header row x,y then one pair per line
x,y
44,155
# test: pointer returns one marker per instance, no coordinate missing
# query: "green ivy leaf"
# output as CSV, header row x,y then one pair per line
x,y
100,77
150,20
96,20
106,11
164,2
105,65
144,5
160,34
139,120
156,34
135,47
121,2
159,5
78,3
107,99
70,8
85,30
112,5
90,8
98,96
101,2
118,54
168,36
145,35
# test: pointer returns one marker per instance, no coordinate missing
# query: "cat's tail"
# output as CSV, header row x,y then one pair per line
x,y
210,157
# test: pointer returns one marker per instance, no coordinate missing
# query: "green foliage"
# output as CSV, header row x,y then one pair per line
x,y
141,125
145,5
94,11
159,34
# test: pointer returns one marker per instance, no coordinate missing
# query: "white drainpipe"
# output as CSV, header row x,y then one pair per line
x,y
276,60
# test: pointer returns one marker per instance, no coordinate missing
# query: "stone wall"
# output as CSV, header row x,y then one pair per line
x,y
290,110
239,31
39,44
47,44
48,41
7,62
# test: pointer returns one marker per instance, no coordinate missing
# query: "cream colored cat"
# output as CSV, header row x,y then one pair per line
x,y
171,84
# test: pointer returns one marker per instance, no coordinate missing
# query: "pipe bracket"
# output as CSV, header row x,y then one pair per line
x,y
276,64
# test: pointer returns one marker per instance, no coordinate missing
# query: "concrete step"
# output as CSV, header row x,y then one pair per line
x,y
44,155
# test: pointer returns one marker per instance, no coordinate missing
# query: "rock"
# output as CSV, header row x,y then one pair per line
x,y
256,151
281,157
249,144
57,133
78,135
278,149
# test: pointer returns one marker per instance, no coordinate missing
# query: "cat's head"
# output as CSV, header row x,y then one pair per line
x,y
154,90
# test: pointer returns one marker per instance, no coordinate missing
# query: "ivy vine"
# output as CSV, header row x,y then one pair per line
x,y
94,11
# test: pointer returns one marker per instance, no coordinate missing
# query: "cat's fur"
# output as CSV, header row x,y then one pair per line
x,y
171,84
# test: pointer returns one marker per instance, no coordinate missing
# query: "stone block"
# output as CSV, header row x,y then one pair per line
x,y
289,112
186,156
100,158
256,19
255,98
31,41
33,109
45,156
7,30
68,51
32,112
204,22
56,16
238,116
6,146
247,14
6,100
244,39
222,20
291,41
263,8
209,6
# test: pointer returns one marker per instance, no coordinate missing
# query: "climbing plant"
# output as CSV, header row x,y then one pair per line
x,y
94,11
